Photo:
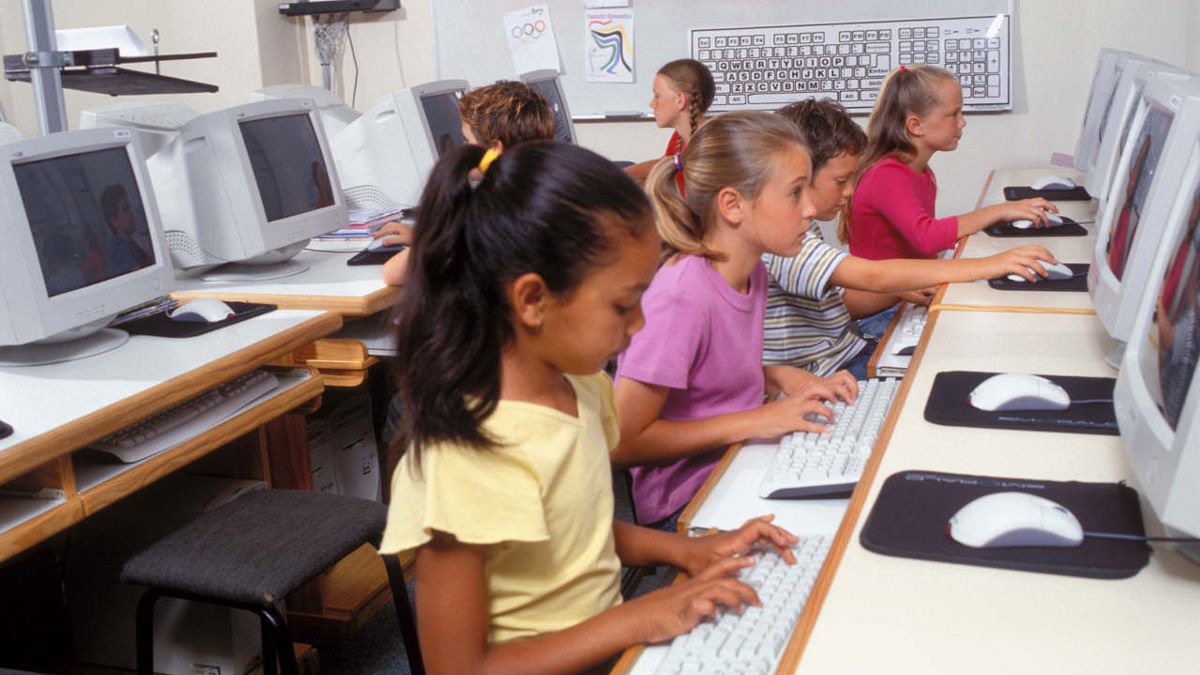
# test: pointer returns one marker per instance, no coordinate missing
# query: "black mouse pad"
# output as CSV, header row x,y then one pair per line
x,y
1076,284
5,429
161,325
910,515
947,405
1075,194
378,256
1069,228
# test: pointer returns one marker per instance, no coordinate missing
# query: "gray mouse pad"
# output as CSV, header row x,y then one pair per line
x,y
910,515
947,405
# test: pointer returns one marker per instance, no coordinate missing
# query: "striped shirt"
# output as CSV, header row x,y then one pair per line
x,y
807,324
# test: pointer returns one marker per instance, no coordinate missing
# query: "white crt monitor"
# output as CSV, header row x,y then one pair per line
x,y
1157,395
335,114
82,243
1133,74
250,184
1133,221
396,142
548,84
1109,65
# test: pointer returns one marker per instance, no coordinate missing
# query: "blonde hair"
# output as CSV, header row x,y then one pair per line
x,y
694,80
739,150
907,90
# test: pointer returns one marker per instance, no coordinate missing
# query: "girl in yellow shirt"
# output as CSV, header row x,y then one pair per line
x,y
520,289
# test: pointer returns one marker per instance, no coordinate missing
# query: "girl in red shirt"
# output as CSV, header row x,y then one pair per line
x,y
683,91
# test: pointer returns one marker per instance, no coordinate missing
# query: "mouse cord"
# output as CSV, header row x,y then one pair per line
x,y
1086,401
1134,537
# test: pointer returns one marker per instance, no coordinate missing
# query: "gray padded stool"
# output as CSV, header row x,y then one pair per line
x,y
251,553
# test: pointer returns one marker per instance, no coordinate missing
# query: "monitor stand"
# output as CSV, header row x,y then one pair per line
x,y
240,272
46,353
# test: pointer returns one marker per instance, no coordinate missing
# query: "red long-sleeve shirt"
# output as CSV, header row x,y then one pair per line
x,y
892,214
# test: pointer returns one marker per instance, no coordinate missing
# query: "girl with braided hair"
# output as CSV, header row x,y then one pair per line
x,y
683,91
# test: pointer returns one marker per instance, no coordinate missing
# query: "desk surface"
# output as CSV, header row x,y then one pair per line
x,y
59,408
329,284
922,617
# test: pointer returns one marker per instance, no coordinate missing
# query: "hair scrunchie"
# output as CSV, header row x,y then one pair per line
x,y
678,163
488,157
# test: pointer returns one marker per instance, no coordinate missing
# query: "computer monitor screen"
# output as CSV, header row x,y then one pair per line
x,y
547,83
445,124
1177,317
289,167
86,228
1131,200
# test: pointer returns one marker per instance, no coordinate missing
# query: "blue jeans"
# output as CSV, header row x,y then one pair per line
x,y
874,326
858,365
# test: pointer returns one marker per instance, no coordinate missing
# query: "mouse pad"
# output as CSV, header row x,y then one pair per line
x,y
909,520
1069,228
377,257
948,406
160,325
1075,194
1076,284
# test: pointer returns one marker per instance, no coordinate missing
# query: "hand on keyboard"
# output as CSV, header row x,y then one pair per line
x,y
676,609
785,415
702,552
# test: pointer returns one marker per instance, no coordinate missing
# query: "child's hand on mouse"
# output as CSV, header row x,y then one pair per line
x,y
662,614
395,233
1030,209
1022,261
700,553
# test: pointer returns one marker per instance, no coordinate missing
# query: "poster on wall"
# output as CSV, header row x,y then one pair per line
x,y
608,47
531,39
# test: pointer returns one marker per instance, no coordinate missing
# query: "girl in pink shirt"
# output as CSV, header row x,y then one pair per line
x,y
918,113
692,381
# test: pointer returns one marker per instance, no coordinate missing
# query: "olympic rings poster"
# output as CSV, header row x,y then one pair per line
x,y
531,39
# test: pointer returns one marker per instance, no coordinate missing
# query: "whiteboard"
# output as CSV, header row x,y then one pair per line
x,y
470,41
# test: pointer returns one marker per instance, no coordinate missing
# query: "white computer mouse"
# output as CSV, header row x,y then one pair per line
x,y
1052,220
1018,391
1052,182
208,310
1057,272
1014,519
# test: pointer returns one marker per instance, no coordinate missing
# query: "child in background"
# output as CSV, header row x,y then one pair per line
x,y
682,92
808,317
693,381
918,113
498,116
521,287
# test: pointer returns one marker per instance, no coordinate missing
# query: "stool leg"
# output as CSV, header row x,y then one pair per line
x,y
404,614
144,631
268,646
282,640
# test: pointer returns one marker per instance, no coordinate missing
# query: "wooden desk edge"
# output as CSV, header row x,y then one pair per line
x,y
1011,309
344,305
24,457
807,621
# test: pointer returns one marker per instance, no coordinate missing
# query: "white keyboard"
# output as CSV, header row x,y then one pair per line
x,y
809,464
763,68
753,641
176,425
907,332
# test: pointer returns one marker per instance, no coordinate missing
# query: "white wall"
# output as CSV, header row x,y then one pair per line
x,y
1055,48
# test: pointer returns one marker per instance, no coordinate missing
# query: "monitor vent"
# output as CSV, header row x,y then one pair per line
x,y
368,197
186,252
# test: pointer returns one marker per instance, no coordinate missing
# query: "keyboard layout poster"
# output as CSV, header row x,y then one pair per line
x,y
767,67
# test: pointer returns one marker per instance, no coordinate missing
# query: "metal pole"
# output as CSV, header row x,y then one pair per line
x,y
41,56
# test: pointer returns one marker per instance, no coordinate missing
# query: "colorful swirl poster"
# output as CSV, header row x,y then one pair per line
x,y
608,45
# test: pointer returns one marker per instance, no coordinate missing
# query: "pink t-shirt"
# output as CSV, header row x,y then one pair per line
x,y
891,214
703,341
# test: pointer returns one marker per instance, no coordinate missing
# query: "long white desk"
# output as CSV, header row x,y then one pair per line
x,y
899,615
329,284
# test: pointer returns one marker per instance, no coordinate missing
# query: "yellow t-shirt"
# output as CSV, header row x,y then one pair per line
x,y
542,502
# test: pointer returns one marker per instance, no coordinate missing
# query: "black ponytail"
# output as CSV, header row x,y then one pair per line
x,y
543,207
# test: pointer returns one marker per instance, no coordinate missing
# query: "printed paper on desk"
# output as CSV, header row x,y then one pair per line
x,y
531,39
608,47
